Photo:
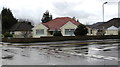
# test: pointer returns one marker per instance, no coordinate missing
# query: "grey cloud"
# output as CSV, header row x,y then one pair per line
x,y
57,9
34,15
78,14
67,9
62,6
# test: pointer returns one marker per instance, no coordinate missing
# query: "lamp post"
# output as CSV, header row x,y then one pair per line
x,y
103,16
103,9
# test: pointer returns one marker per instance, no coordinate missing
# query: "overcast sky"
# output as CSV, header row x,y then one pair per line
x,y
87,11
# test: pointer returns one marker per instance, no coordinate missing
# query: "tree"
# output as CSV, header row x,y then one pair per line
x,y
46,17
74,18
7,34
81,30
8,20
77,20
57,33
26,33
25,21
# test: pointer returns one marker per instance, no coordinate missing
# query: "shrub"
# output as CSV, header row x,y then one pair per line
x,y
81,30
7,34
57,33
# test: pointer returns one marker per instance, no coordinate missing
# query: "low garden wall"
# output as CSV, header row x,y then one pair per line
x,y
57,38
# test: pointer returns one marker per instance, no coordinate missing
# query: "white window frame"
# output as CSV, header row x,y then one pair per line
x,y
40,32
69,32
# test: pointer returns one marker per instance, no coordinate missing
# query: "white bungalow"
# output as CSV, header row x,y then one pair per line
x,y
112,31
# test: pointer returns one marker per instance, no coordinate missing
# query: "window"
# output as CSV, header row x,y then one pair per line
x,y
90,31
100,30
40,32
69,32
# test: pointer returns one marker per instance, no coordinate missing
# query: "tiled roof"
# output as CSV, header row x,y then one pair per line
x,y
93,26
57,23
113,22
112,28
21,27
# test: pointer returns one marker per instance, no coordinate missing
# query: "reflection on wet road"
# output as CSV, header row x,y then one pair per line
x,y
90,52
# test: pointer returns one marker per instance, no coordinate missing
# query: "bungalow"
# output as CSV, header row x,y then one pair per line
x,y
112,31
21,30
110,27
66,25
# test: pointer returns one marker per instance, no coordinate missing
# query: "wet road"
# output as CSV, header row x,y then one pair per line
x,y
89,52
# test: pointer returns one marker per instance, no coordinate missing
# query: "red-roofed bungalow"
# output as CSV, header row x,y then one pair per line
x,y
66,25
